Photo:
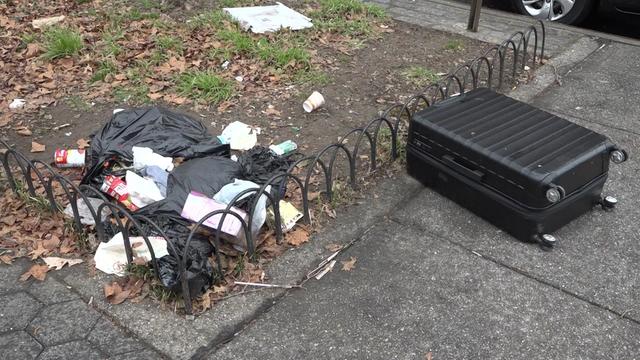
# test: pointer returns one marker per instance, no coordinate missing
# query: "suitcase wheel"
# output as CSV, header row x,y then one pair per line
x,y
546,241
608,203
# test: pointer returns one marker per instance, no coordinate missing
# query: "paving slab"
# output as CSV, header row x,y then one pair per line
x,y
112,340
17,310
63,322
413,292
71,350
604,89
18,345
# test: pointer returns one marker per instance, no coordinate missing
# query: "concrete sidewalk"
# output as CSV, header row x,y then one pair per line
x,y
436,279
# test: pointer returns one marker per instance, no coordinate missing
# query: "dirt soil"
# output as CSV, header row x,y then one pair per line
x,y
361,82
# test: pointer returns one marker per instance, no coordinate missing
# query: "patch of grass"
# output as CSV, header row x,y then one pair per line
x,y
220,54
136,15
205,85
61,42
169,43
280,56
105,68
28,38
420,76
212,19
334,8
354,27
240,42
454,44
37,202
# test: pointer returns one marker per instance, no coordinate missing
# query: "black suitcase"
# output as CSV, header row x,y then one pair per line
x,y
523,169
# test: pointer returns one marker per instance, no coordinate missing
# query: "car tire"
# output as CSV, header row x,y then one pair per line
x,y
578,13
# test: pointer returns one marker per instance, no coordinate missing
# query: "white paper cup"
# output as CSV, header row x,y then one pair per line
x,y
315,101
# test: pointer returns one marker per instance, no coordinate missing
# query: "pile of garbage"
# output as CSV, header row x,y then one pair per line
x,y
164,166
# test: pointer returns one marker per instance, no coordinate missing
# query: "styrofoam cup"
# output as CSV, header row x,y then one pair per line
x,y
315,101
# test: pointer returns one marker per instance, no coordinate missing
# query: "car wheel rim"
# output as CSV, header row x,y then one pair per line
x,y
548,9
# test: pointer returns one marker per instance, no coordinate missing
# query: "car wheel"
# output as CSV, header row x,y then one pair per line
x,y
564,11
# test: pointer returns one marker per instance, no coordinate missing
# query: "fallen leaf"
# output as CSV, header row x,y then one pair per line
x,y
155,96
24,131
37,148
174,99
297,237
82,143
58,263
51,243
8,260
38,252
219,289
9,220
349,264
271,111
32,50
38,272
312,195
333,247
115,294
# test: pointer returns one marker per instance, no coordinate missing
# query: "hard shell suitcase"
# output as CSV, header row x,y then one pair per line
x,y
525,170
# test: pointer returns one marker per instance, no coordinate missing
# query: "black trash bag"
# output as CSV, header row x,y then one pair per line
x,y
168,133
199,272
204,175
259,164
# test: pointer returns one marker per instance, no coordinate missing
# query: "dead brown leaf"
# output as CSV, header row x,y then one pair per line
x,y
6,259
38,272
38,251
58,263
115,294
297,237
333,247
349,264
24,131
37,147
9,220
82,143
32,50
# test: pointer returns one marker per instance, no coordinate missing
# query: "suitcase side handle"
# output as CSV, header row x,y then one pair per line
x,y
451,162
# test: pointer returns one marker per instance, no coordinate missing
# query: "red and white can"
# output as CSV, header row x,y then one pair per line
x,y
69,158
117,188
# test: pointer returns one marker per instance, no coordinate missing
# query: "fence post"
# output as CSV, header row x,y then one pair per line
x,y
474,15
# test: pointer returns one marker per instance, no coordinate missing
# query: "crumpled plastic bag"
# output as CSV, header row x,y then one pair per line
x,y
260,164
199,272
86,218
167,133
229,191
142,192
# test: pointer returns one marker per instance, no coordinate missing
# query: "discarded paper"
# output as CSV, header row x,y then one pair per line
x,y
111,257
261,19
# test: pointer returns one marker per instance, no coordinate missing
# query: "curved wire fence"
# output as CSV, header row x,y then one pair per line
x,y
488,70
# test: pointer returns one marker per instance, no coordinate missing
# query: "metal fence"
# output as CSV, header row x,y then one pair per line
x,y
522,49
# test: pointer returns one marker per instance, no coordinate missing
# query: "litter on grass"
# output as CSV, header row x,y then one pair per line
x,y
261,19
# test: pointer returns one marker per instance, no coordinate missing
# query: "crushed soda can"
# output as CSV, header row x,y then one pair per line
x,y
69,158
117,189
283,148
